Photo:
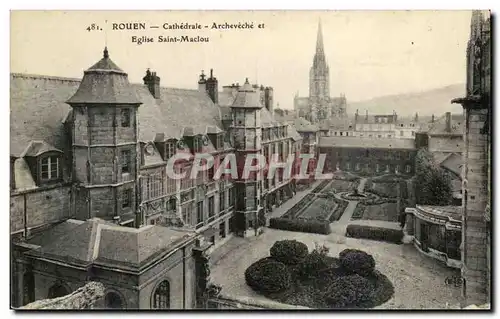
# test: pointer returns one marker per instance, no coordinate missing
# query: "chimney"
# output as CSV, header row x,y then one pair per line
x,y
152,81
432,120
448,121
202,83
213,87
268,99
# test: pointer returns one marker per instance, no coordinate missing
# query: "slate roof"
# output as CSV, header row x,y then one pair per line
x,y
38,109
247,97
439,125
336,124
453,162
100,242
104,83
303,125
358,142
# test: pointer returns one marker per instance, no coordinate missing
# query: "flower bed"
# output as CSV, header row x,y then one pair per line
x,y
375,233
387,188
383,209
304,202
321,281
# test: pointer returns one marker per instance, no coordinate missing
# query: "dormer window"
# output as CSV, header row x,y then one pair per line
x,y
220,141
49,168
170,149
197,144
125,117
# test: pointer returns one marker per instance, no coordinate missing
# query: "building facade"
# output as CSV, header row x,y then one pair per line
x,y
476,202
90,157
319,105
369,156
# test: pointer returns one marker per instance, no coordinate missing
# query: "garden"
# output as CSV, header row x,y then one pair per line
x,y
293,275
384,210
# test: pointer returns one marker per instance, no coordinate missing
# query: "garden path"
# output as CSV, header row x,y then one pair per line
x,y
339,227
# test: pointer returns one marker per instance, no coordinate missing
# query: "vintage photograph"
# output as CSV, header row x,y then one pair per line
x,y
250,160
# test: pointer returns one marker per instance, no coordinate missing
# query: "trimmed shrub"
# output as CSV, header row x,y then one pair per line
x,y
268,276
301,225
289,252
357,261
375,233
348,291
313,263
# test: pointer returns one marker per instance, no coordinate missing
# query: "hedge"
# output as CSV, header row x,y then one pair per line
x,y
268,276
357,261
301,225
375,233
304,202
289,252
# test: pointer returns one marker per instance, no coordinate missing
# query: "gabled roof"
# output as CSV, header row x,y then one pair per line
x,y
36,148
99,242
38,109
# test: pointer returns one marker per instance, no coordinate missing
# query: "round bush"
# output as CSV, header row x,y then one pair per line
x,y
313,263
267,276
357,261
348,291
289,252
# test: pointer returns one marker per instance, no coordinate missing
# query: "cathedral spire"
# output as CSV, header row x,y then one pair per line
x,y
319,39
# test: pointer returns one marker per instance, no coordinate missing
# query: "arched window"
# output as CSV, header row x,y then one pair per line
x,y
161,296
113,300
57,290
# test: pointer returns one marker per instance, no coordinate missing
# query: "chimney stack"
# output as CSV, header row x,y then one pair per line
x,y
202,83
152,81
268,99
213,87
448,122
432,120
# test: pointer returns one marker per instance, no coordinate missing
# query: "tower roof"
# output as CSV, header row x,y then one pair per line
x,y
104,83
247,97
319,39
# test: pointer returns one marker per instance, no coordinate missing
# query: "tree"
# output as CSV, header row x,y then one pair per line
x,y
432,183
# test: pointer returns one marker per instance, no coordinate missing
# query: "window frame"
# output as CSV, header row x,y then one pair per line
x,y
125,161
50,169
125,117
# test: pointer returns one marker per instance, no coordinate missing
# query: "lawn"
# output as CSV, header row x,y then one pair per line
x,y
386,212
341,185
319,209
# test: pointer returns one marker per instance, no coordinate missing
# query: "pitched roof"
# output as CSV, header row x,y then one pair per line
x,y
358,142
247,97
97,241
457,125
303,125
453,162
38,110
104,83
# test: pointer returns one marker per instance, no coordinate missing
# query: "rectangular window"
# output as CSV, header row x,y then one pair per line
x,y
125,161
412,133
126,198
222,230
187,211
348,165
125,117
402,133
408,168
199,212
377,167
169,150
211,206
358,166
222,201
49,168
155,185
231,197
220,141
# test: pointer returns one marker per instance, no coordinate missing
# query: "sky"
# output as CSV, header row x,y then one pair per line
x,y
370,53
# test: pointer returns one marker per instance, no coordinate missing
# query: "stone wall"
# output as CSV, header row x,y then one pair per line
x,y
474,253
83,298
37,208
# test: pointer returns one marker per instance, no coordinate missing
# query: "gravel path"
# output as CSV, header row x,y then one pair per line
x,y
418,280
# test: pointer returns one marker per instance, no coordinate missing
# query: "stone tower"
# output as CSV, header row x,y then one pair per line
x,y
246,129
476,200
105,144
319,82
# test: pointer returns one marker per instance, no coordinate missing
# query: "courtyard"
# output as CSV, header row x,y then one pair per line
x,y
419,281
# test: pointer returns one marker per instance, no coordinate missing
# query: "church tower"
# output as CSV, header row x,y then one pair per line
x,y
319,75
105,145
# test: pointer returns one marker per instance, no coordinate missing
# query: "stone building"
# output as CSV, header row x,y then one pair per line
x,y
91,198
476,203
319,105
370,156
